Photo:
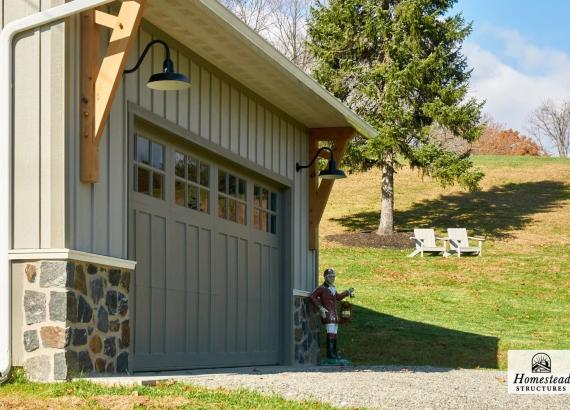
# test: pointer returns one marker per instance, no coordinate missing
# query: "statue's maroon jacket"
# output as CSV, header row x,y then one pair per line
x,y
322,296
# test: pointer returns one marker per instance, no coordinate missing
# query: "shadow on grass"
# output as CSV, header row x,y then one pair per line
x,y
493,212
379,339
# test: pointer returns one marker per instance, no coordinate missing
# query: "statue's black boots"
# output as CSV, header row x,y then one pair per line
x,y
334,351
330,348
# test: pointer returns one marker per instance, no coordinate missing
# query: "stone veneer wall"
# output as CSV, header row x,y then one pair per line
x,y
306,331
76,319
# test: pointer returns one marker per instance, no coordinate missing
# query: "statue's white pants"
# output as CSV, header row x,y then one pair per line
x,y
332,328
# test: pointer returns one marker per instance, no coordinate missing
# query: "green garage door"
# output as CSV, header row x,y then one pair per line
x,y
206,242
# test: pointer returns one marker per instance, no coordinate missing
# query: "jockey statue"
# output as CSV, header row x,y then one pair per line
x,y
324,298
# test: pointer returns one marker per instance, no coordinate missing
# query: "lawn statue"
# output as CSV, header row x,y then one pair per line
x,y
324,298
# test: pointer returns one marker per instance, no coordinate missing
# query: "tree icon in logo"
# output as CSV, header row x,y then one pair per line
x,y
541,363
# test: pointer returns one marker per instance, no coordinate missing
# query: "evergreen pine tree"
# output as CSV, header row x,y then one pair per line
x,y
399,64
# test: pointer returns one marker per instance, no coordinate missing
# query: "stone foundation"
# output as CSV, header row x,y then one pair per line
x,y
76,319
306,331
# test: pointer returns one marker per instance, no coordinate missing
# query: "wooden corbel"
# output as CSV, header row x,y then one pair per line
x,y
100,79
319,193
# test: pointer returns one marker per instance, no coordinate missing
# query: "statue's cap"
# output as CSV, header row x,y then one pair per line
x,y
329,271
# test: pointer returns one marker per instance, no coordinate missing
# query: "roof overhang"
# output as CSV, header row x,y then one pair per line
x,y
217,35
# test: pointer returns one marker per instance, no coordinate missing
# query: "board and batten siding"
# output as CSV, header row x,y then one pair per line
x,y
38,130
216,110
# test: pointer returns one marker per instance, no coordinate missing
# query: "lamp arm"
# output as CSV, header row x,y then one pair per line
x,y
143,55
300,167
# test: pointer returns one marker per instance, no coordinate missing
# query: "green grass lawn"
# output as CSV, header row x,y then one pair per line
x,y
82,394
453,312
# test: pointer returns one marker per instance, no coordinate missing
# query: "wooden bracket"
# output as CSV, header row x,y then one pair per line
x,y
99,82
319,193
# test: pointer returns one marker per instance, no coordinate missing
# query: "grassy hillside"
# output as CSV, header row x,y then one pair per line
x,y
457,312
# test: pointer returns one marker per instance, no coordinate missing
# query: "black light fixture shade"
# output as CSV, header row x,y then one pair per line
x,y
332,172
168,79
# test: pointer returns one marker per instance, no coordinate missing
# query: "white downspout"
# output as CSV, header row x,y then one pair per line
x,y
6,37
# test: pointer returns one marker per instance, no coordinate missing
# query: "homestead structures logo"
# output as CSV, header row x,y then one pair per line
x,y
539,372
541,363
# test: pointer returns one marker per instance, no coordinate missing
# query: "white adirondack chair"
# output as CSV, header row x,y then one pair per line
x,y
459,242
426,243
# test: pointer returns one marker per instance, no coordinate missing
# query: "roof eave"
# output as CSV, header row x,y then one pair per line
x,y
253,38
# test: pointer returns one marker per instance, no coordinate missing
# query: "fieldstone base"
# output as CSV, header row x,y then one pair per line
x,y
76,320
306,331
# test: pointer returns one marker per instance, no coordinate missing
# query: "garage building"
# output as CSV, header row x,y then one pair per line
x,y
156,230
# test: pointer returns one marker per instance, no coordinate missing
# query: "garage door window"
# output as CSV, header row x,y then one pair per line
x,y
264,209
149,167
232,200
192,182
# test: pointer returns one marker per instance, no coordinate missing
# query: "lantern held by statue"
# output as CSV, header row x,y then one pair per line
x,y
345,312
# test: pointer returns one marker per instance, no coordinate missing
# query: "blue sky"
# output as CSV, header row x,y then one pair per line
x,y
543,22
520,53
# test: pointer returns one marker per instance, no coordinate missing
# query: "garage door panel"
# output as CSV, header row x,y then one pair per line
x,y
207,287
266,299
253,305
232,294
220,294
242,295
176,290
158,285
275,293
142,280
204,290
192,306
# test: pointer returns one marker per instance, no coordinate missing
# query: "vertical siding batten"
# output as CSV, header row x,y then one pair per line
x,y
144,73
225,115
215,110
52,141
260,150
283,151
243,125
268,155
275,144
195,98
205,103
132,80
26,148
251,130
183,95
116,169
234,121
292,157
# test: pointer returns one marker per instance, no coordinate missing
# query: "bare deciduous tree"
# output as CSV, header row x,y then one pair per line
x,y
290,30
552,122
258,14
281,22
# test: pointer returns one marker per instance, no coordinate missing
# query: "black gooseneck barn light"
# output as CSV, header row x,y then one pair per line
x,y
168,80
332,172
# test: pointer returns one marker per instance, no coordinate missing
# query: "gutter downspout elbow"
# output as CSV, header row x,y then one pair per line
x,y
6,89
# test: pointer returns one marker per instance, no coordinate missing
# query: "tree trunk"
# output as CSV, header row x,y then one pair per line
x,y
387,197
